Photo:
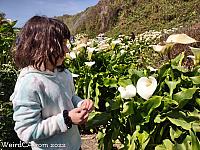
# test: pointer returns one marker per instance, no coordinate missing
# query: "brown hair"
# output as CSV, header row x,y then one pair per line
x,y
40,41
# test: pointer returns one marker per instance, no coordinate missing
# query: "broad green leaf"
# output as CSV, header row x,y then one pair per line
x,y
184,145
143,139
98,118
150,105
131,143
184,96
115,104
128,108
172,85
115,132
175,133
178,60
198,101
195,79
169,103
167,145
124,82
112,82
159,119
195,141
136,72
180,68
164,70
179,119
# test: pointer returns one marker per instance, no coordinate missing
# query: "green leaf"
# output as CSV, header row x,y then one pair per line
x,y
164,70
195,141
97,94
169,103
198,101
195,79
184,96
185,145
174,134
167,145
136,72
180,68
172,85
98,118
124,82
179,119
177,61
128,108
112,82
150,105
159,119
115,104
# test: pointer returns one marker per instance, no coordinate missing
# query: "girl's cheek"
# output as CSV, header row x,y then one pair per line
x,y
66,49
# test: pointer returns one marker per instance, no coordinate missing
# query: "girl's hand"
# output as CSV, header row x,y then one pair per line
x,y
78,115
87,105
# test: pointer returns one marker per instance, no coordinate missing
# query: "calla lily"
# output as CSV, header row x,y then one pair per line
x,y
196,52
159,48
180,38
90,63
75,75
72,55
116,42
127,92
90,51
152,69
146,87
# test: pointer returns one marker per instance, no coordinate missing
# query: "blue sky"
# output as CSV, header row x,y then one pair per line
x,y
22,10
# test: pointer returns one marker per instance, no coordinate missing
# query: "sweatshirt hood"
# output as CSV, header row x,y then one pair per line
x,y
28,70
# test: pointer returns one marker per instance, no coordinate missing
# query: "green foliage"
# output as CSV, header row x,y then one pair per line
x,y
8,76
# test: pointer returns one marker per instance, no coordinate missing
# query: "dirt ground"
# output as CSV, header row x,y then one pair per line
x,y
89,142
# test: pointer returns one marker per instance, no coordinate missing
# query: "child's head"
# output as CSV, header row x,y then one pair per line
x,y
41,42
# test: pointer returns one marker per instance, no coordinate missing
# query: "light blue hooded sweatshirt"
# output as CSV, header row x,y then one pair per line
x,y
38,101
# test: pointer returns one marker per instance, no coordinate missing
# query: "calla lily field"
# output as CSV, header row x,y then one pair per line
x,y
138,106
142,100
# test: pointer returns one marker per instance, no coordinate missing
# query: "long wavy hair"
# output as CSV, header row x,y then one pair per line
x,y
39,42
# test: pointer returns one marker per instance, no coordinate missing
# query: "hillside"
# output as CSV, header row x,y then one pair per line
x,y
126,16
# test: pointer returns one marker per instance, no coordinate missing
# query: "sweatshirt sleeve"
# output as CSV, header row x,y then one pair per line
x,y
76,100
29,124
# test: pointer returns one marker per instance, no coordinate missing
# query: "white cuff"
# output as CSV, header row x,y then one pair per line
x,y
80,103
61,122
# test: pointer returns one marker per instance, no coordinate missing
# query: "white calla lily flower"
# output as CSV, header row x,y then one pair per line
x,y
118,41
90,51
146,87
127,92
75,75
152,69
159,48
180,38
72,55
91,63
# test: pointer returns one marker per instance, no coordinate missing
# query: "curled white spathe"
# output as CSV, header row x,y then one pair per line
x,y
128,91
146,87
91,63
180,38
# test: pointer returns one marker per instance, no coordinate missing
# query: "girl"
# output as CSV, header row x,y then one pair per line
x,y
46,109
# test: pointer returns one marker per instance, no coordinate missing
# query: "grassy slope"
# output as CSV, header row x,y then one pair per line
x,y
125,16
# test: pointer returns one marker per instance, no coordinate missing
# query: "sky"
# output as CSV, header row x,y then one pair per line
x,y
22,10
